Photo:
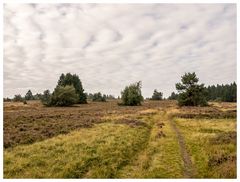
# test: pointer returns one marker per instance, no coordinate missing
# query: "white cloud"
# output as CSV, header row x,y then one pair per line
x,y
110,46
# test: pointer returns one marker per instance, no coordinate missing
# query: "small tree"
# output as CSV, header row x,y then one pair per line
x,y
46,98
99,97
37,96
173,96
7,99
64,96
18,98
131,95
29,95
157,95
191,93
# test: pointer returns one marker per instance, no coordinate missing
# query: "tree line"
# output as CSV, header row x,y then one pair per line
x,y
69,91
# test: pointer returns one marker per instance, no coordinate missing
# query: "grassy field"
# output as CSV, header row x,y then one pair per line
x,y
104,140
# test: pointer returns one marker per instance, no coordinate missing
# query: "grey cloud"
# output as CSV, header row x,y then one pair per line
x,y
112,45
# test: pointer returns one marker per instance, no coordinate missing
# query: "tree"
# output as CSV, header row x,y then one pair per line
x,y
18,98
37,96
46,98
29,95
74,80
131,95
110,97
191,93
99,97
157,95
225,93
89,96
173,96
64,96
7,99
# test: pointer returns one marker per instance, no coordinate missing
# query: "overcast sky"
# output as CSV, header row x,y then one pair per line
x,y
111,46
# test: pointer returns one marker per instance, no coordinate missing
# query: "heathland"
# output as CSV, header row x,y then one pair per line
x,y
157,139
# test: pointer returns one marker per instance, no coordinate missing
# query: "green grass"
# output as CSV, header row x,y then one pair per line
x,y
108,141
107,150
160,158
98,152
210,159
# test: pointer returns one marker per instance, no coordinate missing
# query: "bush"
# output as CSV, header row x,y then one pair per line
x,y
46,98
98,97
18,98
7,99
64,96
131,95
157,95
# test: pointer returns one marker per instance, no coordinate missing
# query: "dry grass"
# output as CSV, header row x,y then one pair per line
x,y
212,145
104,140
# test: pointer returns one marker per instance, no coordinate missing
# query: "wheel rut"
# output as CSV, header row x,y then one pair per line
x,y
189,168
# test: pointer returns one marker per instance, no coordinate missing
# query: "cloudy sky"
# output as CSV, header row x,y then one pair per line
x,y
110,46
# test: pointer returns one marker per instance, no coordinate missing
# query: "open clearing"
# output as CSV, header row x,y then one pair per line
x,y
104,140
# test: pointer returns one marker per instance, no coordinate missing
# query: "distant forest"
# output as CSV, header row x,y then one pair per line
x,y
224,93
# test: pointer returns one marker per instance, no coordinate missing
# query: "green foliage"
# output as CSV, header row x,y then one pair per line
x,y
7,99
157,95
18,98
107,97
99,97
74,80
37,96
225,93
29,95
64,96
173,96
191,93
46,98
131,95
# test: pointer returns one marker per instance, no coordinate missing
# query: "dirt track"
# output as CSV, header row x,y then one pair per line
x,y
189,168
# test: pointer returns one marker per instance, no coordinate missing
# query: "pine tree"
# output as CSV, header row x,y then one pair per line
x,y
190,92
29,95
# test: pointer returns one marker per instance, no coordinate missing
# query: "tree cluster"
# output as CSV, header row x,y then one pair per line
x,y
157,95
98,97
18,98
90,96
173,96
73,80
68,91
225,93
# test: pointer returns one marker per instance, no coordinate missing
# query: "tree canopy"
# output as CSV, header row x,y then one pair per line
x,y
225,93
157,95
99,97
173,96
46,98
29,95
64,96
190,92
73,80
131,95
